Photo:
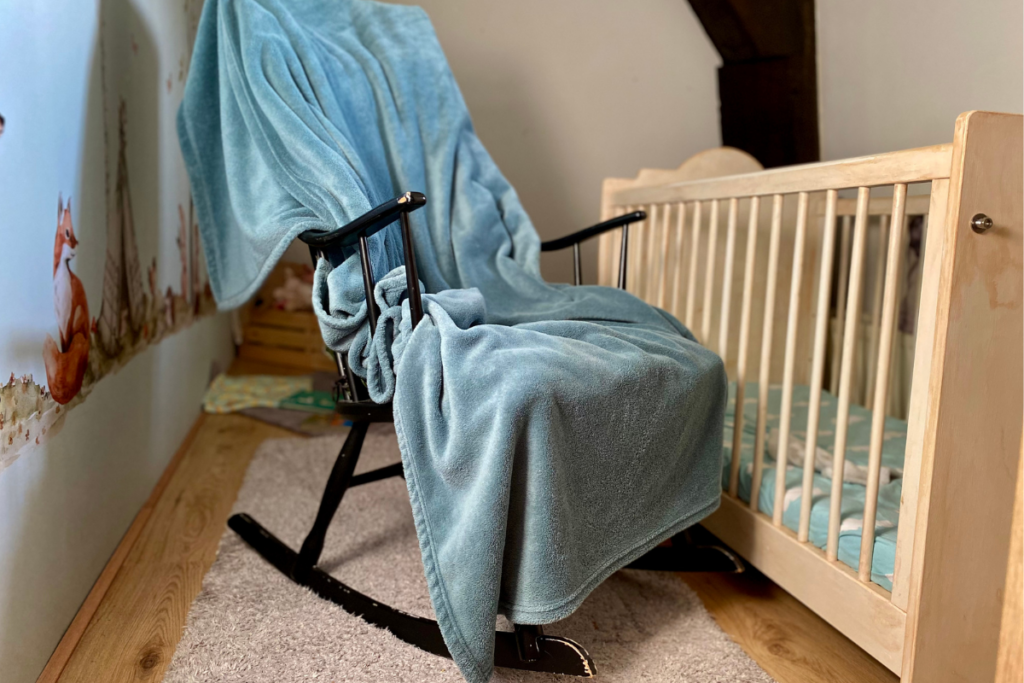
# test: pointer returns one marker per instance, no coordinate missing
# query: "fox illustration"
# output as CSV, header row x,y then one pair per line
x,y
66,362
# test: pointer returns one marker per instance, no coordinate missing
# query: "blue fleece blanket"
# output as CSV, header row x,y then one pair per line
x,y
550,434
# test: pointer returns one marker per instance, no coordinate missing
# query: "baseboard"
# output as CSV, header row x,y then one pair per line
x,y
62,654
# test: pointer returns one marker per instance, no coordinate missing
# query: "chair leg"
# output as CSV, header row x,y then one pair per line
x,y
337,484
528,639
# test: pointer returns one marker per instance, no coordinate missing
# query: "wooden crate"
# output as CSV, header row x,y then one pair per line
x,y
289,338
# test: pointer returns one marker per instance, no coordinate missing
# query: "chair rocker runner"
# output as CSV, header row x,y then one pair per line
x,y
527,647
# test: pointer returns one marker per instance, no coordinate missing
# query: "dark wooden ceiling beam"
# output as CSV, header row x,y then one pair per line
x,y
767,84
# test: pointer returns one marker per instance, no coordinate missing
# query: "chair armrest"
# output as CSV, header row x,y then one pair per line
x,y
356,232
371,222
593,231
575,238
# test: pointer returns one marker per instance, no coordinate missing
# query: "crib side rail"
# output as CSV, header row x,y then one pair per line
x,y
973,419
769,269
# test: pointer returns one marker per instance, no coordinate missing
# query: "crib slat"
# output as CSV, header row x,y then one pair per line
x,y
636,236
691,284
841,293
611,274
821,323
646,277
767,330
666,242
792,324
611,263
846,371
892,267
653,268
709,275
678,275
607,250
901,283
741,363
663,271
616,237
637,254
616,248
652,275
876,309
630,241
644,272
730,253
912,486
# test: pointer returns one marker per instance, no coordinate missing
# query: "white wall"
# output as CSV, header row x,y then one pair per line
x,y
564,94
895,74
65,504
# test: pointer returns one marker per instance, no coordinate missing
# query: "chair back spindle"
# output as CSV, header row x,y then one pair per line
x,y
372,312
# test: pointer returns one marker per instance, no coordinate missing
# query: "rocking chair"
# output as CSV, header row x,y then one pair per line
x,y
527,647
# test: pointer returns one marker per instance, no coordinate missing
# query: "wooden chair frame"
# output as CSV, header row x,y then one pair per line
x,y
527,647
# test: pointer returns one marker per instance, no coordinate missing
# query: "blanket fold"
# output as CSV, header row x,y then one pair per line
x,y
550,434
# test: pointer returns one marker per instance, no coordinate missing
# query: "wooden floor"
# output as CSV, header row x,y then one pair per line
x,y
789,641
138,620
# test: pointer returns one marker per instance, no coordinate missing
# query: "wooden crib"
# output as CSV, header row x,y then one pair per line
x,y
767,267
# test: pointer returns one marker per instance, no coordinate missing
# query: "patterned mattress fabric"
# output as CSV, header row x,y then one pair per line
x,y
858,438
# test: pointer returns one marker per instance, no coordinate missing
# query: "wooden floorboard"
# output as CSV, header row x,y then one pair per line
x,y
789,641
134,630
59,659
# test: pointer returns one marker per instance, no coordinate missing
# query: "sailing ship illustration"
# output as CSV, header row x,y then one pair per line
x,y
124,306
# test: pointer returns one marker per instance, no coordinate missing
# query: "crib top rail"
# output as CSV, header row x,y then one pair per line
x,y
907,166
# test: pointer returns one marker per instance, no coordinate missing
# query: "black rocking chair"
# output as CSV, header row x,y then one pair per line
x,y
527,647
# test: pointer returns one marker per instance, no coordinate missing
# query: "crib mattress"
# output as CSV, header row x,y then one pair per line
x,y
852,514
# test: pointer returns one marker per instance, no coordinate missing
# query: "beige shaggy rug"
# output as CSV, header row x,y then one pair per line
x,y
251,624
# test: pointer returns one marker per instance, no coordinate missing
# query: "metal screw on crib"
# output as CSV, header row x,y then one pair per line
x,y
980,223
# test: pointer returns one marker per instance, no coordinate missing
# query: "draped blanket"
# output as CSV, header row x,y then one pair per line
x,y
550,434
